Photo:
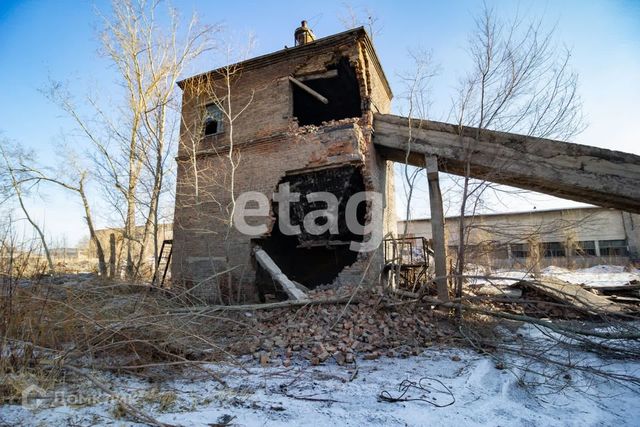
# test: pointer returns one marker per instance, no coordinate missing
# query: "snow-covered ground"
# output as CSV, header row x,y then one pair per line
x,y
478,389
599,275
486,394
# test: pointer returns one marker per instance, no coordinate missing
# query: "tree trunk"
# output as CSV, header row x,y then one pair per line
x,y
134,171
152,216
102,265
45,247
112,256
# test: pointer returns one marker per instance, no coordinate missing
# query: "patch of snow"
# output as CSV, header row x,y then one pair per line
x,y
501,278
603,269
552,269
278,396
599,275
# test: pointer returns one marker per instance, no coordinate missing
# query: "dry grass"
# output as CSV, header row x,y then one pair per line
x,y
106,319
132,328
100,325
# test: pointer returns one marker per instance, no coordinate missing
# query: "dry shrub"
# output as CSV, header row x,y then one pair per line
x,y
14,381
24,265
101,325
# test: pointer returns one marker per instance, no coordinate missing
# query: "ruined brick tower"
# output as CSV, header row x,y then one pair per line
x,y
302,116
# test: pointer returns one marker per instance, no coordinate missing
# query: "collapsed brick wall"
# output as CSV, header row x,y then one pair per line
x,y
268,144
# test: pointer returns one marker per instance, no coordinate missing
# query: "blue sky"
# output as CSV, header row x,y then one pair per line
x,y
58,39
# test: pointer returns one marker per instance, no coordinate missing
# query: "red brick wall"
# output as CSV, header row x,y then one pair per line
x,y
266,144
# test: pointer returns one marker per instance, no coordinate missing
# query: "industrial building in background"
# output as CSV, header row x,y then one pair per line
x,y
574,237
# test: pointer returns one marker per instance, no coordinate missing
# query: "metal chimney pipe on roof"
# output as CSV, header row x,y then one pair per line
x,y
303,34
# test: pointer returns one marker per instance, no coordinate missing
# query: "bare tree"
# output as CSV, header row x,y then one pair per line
x,y
520,82
149,63
32,174
134,149
417,100
353,17
14,187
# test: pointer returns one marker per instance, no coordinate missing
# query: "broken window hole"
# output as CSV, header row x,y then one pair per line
x,y
341,90
212,120
309,259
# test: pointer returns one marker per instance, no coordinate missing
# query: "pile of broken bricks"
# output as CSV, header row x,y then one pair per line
x,y
372,325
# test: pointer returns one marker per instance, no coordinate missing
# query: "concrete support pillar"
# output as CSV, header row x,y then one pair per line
x,y
631,223
437,227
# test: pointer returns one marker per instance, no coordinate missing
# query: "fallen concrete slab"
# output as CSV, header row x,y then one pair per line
x,y
278,276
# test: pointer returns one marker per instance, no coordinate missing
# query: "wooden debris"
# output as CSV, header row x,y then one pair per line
x,y
624,300
624,294
608,289
307,89
500,292
574,295
137,413
207,309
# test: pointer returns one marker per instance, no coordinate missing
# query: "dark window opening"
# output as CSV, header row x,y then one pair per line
x,y
342,92
210,127
309,259
613,248
553,250
212,120
520,250
586,248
